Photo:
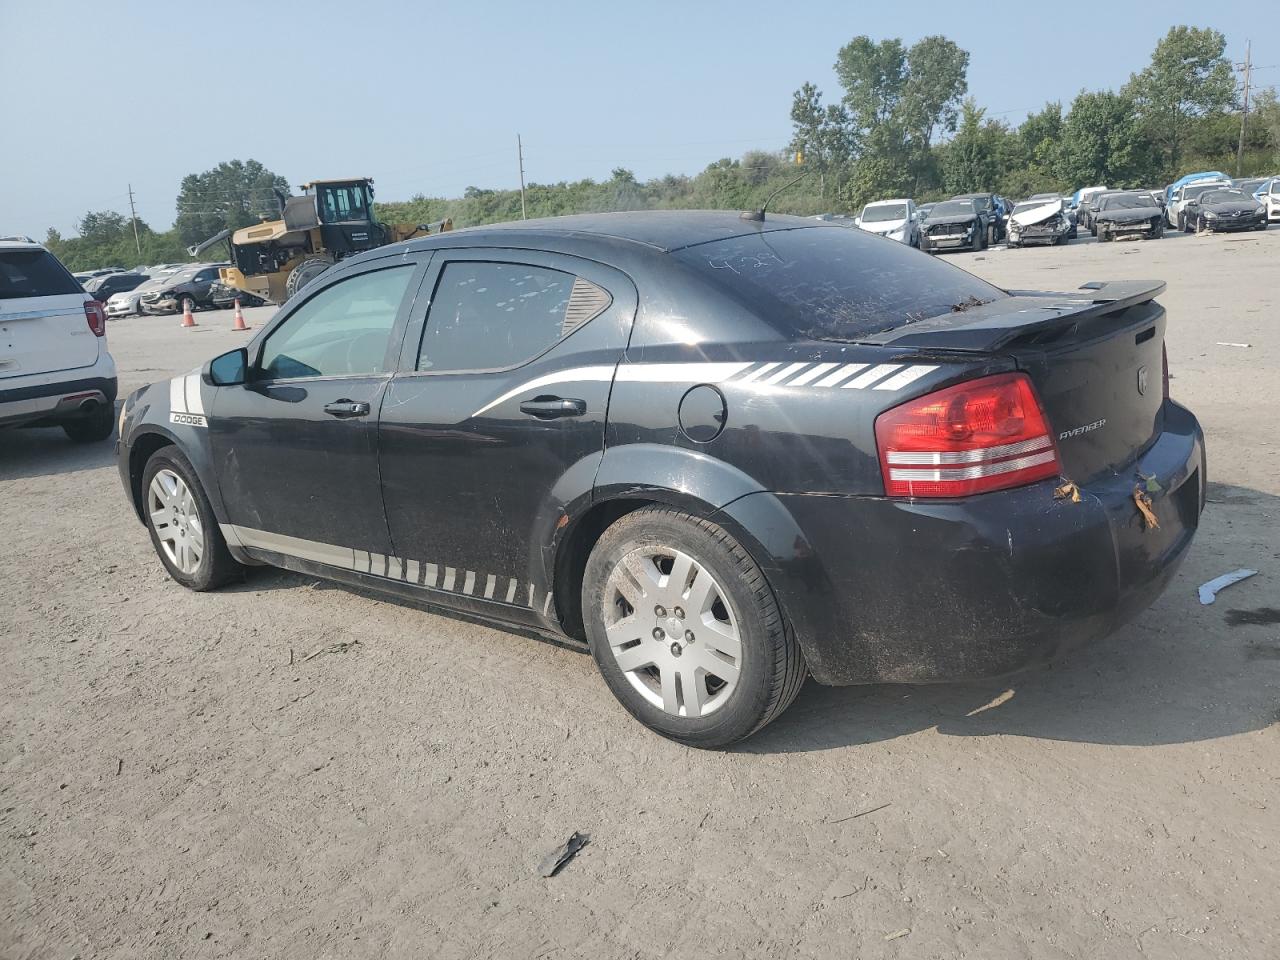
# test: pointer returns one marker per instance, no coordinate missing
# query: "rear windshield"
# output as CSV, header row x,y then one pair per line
x,y
33,273
832,284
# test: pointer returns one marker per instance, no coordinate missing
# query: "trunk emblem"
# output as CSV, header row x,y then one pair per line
x,y
1142,381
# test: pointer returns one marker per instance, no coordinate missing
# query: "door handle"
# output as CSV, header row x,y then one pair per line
x,y
552,408
347,408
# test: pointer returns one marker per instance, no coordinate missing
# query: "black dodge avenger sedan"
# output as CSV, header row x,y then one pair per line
x,y
726,453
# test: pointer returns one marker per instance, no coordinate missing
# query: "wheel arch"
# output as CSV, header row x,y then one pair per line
x,y
689,480
142,447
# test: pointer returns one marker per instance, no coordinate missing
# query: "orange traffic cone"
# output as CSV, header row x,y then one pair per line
x,y
187,319
239,324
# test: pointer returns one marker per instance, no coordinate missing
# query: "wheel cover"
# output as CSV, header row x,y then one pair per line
x,y
172,513
672,631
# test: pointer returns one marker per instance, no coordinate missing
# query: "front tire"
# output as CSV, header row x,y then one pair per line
x,y
303,274
94,428
183,528
686,630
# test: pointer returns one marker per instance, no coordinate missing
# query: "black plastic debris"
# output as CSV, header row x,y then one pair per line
x,y
562,854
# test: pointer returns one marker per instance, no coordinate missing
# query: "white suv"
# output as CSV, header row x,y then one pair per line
x,y
54,366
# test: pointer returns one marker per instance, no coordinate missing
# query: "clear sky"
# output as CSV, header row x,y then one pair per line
x,y
427,97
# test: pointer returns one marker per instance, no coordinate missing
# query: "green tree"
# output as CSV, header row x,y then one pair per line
x,y
233,194
896,100
973,161
1102,143
1188,78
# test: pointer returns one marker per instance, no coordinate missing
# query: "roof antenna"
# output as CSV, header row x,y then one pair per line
x,y
758,215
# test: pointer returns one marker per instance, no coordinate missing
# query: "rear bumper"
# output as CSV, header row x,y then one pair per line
x,y
885,590
156,307
54,398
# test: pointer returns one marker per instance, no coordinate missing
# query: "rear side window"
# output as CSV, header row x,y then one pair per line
x,y
487,316
33,273
834,283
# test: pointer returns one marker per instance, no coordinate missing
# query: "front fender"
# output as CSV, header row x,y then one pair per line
x,y
151,421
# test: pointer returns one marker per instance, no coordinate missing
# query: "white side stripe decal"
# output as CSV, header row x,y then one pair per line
x,y
871,376
909,375
456,579
739,372
598,374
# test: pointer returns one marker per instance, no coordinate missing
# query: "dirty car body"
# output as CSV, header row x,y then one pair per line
x,y
1039,222
781,380
1123,215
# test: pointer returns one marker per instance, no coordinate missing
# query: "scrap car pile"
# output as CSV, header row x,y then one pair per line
x,y
1203,202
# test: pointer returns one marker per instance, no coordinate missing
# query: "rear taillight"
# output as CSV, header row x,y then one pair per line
x,y
978,436
96,315
1164,370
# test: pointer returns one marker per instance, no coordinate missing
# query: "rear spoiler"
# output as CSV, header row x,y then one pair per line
x,y
989,326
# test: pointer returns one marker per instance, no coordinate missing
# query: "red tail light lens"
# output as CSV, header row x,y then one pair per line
x,y
96,315
982,435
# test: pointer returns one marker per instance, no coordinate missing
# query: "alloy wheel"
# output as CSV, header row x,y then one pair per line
x,y
172,512
672,631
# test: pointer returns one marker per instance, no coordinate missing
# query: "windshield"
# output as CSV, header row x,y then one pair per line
x,y
339,203
1224,196
1132,201
1190,193
884,211
953,208
33,273
828,284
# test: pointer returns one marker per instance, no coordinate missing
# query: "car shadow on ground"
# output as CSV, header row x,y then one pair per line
x,y
1180,673
48,451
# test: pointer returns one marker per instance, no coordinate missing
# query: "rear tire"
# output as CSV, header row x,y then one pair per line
x,y
182,523
94,428
707,676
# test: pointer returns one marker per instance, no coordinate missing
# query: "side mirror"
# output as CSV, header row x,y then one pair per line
x,y
228,370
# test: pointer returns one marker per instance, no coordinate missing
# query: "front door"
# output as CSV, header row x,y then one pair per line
x,y
295,447
498,411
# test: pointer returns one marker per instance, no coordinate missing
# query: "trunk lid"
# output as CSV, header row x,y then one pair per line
x,y
43,327
1096,361
44,335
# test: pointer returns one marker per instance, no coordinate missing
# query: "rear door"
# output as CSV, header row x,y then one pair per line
x,y
43,328
498,413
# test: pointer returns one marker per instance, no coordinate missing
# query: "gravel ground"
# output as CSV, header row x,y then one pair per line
x,y
179,777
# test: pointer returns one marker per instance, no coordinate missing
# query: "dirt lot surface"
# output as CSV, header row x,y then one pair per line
x,y
171,785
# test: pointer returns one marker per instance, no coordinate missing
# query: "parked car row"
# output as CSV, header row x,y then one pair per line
x,y
973,221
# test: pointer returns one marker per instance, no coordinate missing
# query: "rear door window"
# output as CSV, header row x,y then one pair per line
x,y
492,316
833,283
34,273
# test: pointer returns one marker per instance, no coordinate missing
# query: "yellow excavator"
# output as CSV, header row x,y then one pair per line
x,y
329,221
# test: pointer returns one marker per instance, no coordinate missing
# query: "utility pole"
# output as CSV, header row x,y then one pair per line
x,y
133,215
520,154
1247,69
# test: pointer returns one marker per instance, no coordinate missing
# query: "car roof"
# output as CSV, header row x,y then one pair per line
x,y
877,203
658,230
19,243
